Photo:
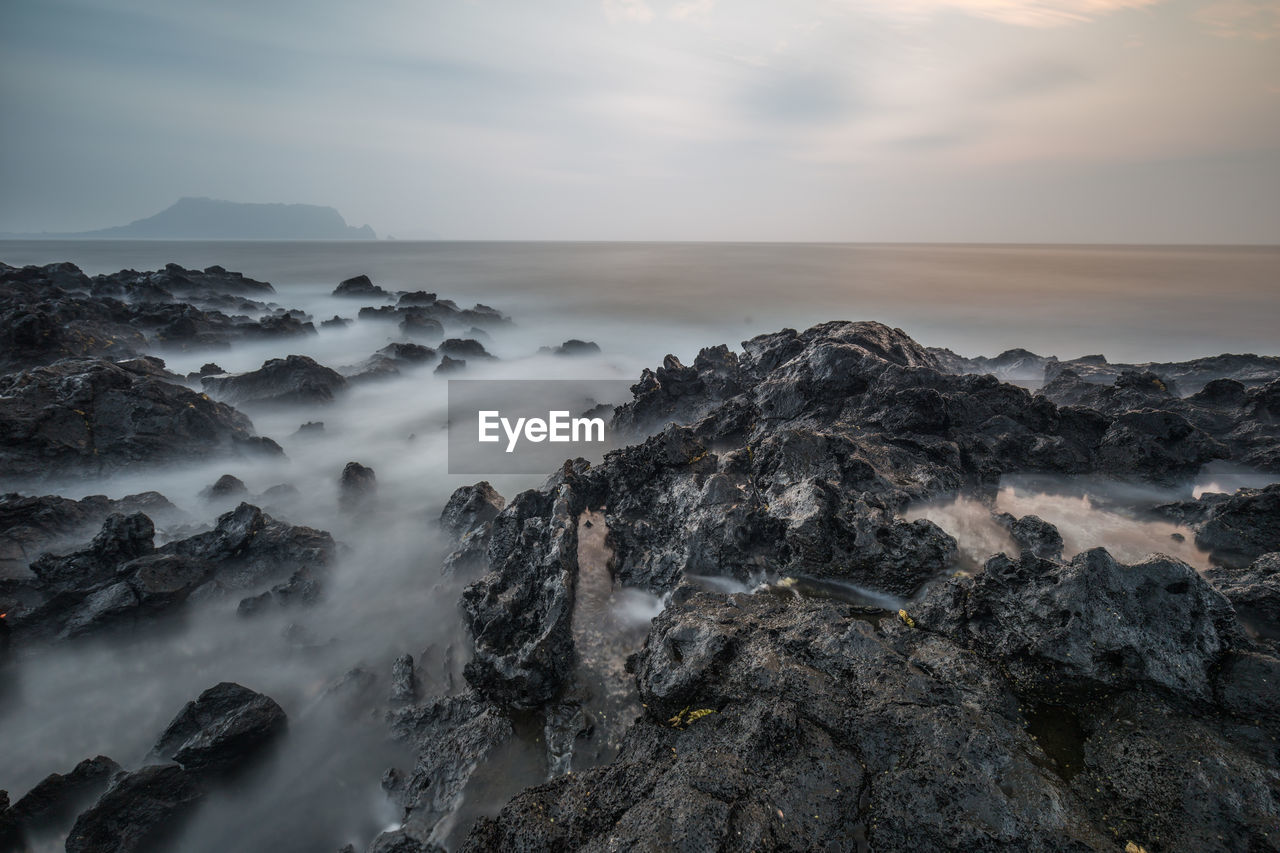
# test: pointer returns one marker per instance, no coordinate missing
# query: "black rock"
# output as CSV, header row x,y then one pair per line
x,y
30,526
1242,527
121,539
226,487
1254,591
453,737
295,379
418,297
419,325
450,365
359,285
222,729
1034,534
138,812
464,348
335,322
520,613
573,347
58,798
357,488
1069,631
120,578
88,416
471,507
404,682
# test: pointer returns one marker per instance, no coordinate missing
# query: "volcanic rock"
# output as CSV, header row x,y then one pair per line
x,y
83,416
223,728
280,381
359,285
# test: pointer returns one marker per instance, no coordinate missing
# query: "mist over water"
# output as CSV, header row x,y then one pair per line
x,y
1131,303
386,596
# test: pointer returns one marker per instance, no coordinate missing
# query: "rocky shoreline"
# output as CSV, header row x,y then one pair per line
x,y
823,674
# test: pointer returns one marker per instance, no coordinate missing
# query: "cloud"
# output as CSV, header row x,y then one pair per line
x,y
628,10
1026,13
1253,19
691,9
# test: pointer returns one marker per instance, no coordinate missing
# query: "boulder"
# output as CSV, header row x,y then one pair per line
x,y
83,417
222,729
280,381
359,285
58,798
357,488
450,365
225,488
140,811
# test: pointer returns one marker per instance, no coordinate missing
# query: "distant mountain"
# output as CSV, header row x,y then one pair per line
x,y
211,219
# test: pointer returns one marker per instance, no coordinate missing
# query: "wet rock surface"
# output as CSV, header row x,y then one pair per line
x,y
280,381
224,729
121,578
221,729
84,416
1236,528
1023,707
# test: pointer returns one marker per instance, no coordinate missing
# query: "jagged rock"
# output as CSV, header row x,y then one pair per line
x,y
1191,376
520,612
177,281
408,353
574,347
357,488
453,738
450,365
1254,591
464,348
1033,534
302,589
1016,365
57,798
1068,631
45,315
84,416
227,486
294,379
30,526
418,297
310,428
470,507
404,682
121,578
359,285
138,812
419,325
389,360
1243,526
335,322
226,726
777,724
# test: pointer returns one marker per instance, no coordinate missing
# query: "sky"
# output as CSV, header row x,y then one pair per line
x,y
1112,121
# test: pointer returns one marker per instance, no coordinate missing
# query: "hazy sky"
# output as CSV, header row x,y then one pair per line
x,y
902,120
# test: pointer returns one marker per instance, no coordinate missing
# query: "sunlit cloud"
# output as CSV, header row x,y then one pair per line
x,y
628,10
1253,19
1026,13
